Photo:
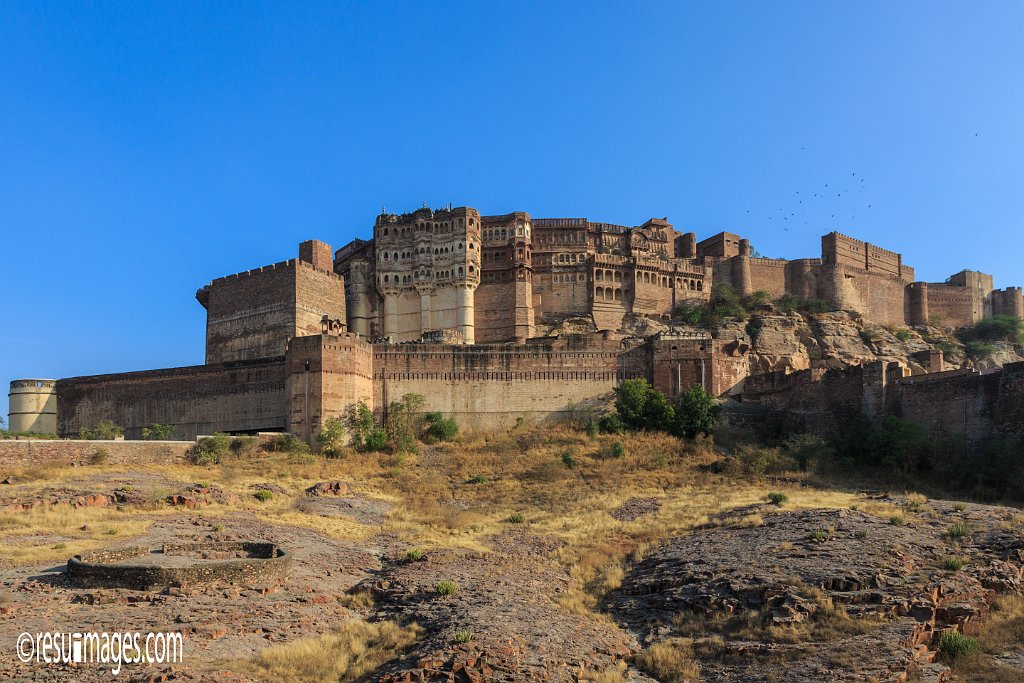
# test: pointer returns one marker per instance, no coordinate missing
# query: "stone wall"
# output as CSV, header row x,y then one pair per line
x,y
958,402
31,452
203,399
490,386
262,563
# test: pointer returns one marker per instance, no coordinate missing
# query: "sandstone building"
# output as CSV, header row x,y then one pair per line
x,y
452,304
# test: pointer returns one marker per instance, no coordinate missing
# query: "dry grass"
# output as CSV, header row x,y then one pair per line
x,y
670,661
49,533
346,654
1004,632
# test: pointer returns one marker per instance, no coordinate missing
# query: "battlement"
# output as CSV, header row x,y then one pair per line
x,y
559,222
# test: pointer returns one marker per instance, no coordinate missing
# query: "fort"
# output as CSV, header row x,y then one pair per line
x,y
458,306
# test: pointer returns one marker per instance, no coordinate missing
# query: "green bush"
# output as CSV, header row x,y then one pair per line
x,y
463,636
787,303
897,520
592,428
869,335
818,535
263,495
617,450
477,479
210,450
953,564
903,335
569,460
158,432
446,587
958,530
516,518
99,456
777,497
104,430
331,438
815,306
288,443
611,424
978,349
953,645
441,428
414,555
377,440
1005,328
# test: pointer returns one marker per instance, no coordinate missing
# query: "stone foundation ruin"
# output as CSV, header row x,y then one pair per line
x,y
186,564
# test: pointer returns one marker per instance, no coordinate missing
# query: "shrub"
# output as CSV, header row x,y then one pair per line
x,y
953,645
446,587
815,305
361,426
99,456
997,328
897,520
617,450
331,438
777,497
404,422
463,636
903,335
377,440
787,303
959,507
592,428
477,479
669,660
263,495
569,460
818,535
104,430
441,428
158,432
413,555
210,450
978,349
958,530
288,443
516,518
953,564
869,335
862,534
611,424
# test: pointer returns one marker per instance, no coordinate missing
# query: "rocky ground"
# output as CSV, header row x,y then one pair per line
x,y
611,560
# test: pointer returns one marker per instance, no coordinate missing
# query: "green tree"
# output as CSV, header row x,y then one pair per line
x,y
641,406
697,413
331,438
404,423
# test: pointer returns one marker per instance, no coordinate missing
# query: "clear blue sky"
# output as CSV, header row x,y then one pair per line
x,y
148,148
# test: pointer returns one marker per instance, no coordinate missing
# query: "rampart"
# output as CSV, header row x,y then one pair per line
x,y
976,405
244,396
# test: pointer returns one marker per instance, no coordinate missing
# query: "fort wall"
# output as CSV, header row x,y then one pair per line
x,y
244,396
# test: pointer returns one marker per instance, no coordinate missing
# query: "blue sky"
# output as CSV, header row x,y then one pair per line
x,y
146,148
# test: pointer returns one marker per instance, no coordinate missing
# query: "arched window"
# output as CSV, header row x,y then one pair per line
x,y
599,293
618,295
460,246
460,271
598,275
700,286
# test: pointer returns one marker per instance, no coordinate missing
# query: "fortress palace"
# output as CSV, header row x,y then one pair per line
x,y
448,304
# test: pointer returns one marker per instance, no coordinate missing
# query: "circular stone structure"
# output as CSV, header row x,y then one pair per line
x,y
33,406
185,564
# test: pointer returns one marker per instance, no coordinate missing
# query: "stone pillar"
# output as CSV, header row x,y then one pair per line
x,y
425,309
391,315
358,290
741,270
918,303
689,245
464,313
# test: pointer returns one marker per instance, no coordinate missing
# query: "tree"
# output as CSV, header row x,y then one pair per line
x,y
641,406
331,437
405,422
697,413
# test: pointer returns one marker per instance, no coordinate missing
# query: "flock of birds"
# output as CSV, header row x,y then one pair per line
x,y
812,205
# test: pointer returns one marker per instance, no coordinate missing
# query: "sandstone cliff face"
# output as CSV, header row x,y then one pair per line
x,y
830,340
